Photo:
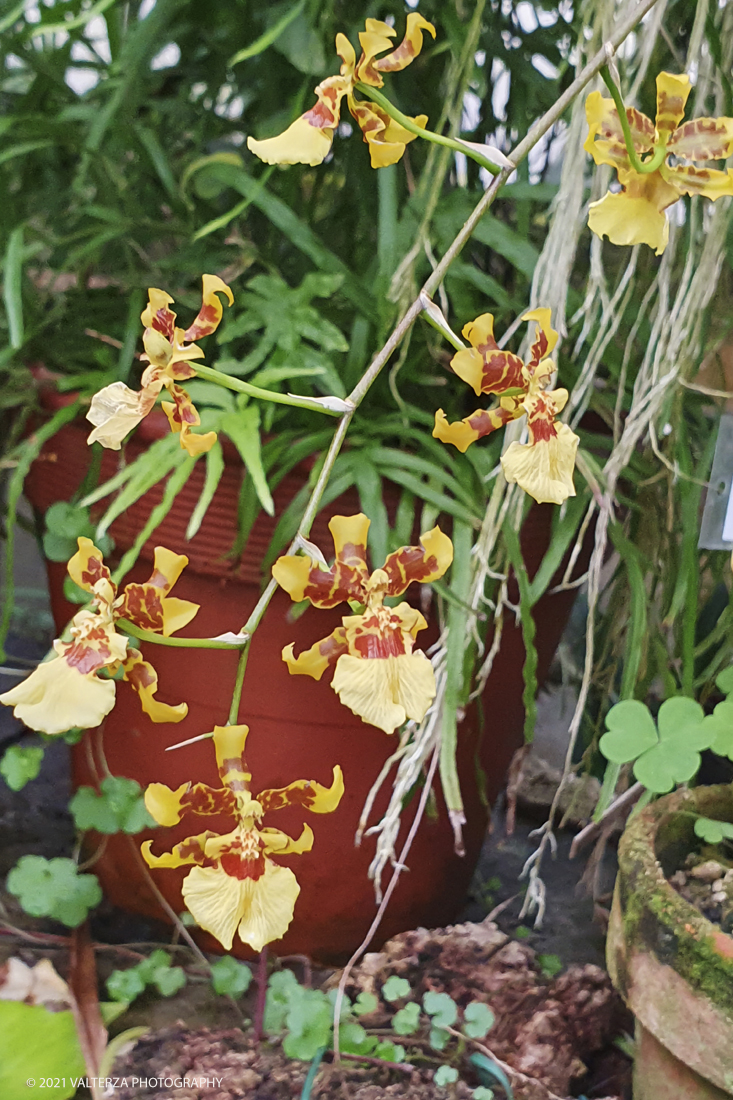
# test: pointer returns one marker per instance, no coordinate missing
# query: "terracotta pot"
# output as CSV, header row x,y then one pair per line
x,y
673,967
299,729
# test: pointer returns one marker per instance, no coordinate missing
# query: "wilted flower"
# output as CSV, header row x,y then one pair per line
x,y
308,139
67,692
544,466
378,676
235,885
117,409
636,215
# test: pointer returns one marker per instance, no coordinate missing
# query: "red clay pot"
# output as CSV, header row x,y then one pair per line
x,y
299,729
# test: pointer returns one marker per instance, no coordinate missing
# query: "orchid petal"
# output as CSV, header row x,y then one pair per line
x,y
210,314
190,850
672,93
544,469
144,679
306,793
314,661
421,564
386,692
56,697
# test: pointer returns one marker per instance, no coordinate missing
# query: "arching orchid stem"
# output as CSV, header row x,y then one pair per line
x,y
238,682
143,635
660,151
465,147
331,406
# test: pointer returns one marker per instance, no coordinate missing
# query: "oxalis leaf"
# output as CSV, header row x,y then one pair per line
x,y
719,724
712,831
441,1007
395,988
20,764
405,1022
478,1019
445,1075
663,757
118,808
54,888
230,977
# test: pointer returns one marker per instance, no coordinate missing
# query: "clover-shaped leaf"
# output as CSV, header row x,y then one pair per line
x,y
441,1007
54,888
120,807
712,831
720,727
308,1022
405,1022
125,985
395,988
365,1003
478,1019
630,732
230,977
353,1039
438,1038
20,764
482,1093
663,758
445,1075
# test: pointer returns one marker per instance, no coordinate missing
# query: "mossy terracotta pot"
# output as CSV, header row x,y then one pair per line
x,y
298,727
673,967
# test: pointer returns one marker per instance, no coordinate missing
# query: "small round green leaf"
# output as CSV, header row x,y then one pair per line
x,y
441,1007
445,1075
631,731
395,988
712,831
365,1003
20,764
478,1019
125,985
230,977
405,1022
680,717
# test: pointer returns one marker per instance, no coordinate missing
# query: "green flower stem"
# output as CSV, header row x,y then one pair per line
x,y
183,643
660,151
238,682
229,383
420,131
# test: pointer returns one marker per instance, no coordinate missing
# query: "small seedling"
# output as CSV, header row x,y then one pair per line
x,y
156,970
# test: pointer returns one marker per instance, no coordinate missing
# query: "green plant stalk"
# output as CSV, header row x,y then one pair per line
x,y
412,127
660,151
238,683
239,386
181,643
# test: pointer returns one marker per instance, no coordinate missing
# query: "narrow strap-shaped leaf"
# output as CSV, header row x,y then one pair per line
x,y
28,450
421,489
149,468
390,456
173,486
12,281
489,1072
214,470
563,532
369,485
243,428
529,669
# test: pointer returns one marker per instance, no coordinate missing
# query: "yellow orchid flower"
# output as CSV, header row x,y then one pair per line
x,y
66,691
234,885
308,139
636,215
544,466
378,676
117,409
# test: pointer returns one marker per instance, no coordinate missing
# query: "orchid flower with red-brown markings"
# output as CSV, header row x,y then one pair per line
x,y
544,466
308,139
67,692
378,676
234,885
637,213
117,409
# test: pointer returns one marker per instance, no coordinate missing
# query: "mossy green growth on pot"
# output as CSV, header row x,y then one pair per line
x,y
672,965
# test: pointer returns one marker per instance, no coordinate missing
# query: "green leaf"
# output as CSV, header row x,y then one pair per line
x,y
395,988
441,1007
20,764
445,1075
680,717
34,1040
120,807
406,1021
281,987
125,985
482,1093
54,888
168,980
390,1052
243,428
365,1003
438,1038
719,726
550,965
488,1072
631,731
12,296
230,977
353,1039
713,832
308,1023
724,680
478,1019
